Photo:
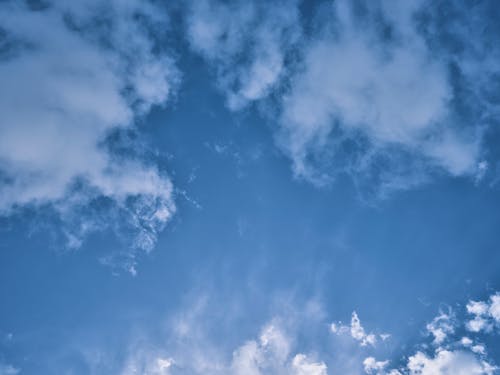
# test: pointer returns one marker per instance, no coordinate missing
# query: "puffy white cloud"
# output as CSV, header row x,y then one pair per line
x,y
372,366
448,363
486,314
72,74
302,365
360,91
440,327
270,353
442,362
369,92
247,42
292,343
356,331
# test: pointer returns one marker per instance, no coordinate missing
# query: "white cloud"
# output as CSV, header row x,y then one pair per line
x,y
247,42
357,85
270,353
442,362
372,366
74,73
293,343
367,93
145,363
486,314
440,327
448,363
302,365
357,332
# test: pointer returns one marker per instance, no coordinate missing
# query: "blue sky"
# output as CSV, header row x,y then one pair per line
x,y
249,188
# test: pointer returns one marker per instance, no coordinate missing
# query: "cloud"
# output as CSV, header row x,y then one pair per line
x,y
8,370
486,314
147,364
443,362
447,363
246,42
364,97
450,356
440,327
356,331
270,353
372,366
368,89
297,342
75,77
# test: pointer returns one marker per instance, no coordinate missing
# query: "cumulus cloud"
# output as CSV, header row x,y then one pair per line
x,y
372,366
447,363
292,343
486,314
75,75
247,43
356,331
450,356
373,90
440,327
270,353
379,96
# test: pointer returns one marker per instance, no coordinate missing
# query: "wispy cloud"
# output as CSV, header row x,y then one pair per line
x,y
8,370
247,43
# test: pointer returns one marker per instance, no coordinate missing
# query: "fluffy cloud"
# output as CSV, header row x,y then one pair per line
x,y
297,342
367,95
440,327
372,366
356,331
270,353
447,363
486,314
246,42
450,356
74,77
443,362
373,90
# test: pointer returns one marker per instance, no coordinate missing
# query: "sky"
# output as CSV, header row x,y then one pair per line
x,y
211,187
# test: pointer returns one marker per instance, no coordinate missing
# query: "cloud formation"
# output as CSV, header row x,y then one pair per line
x,y
373,90
247,43
371,94
356,331
281,347
75,75
270,353
486,314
